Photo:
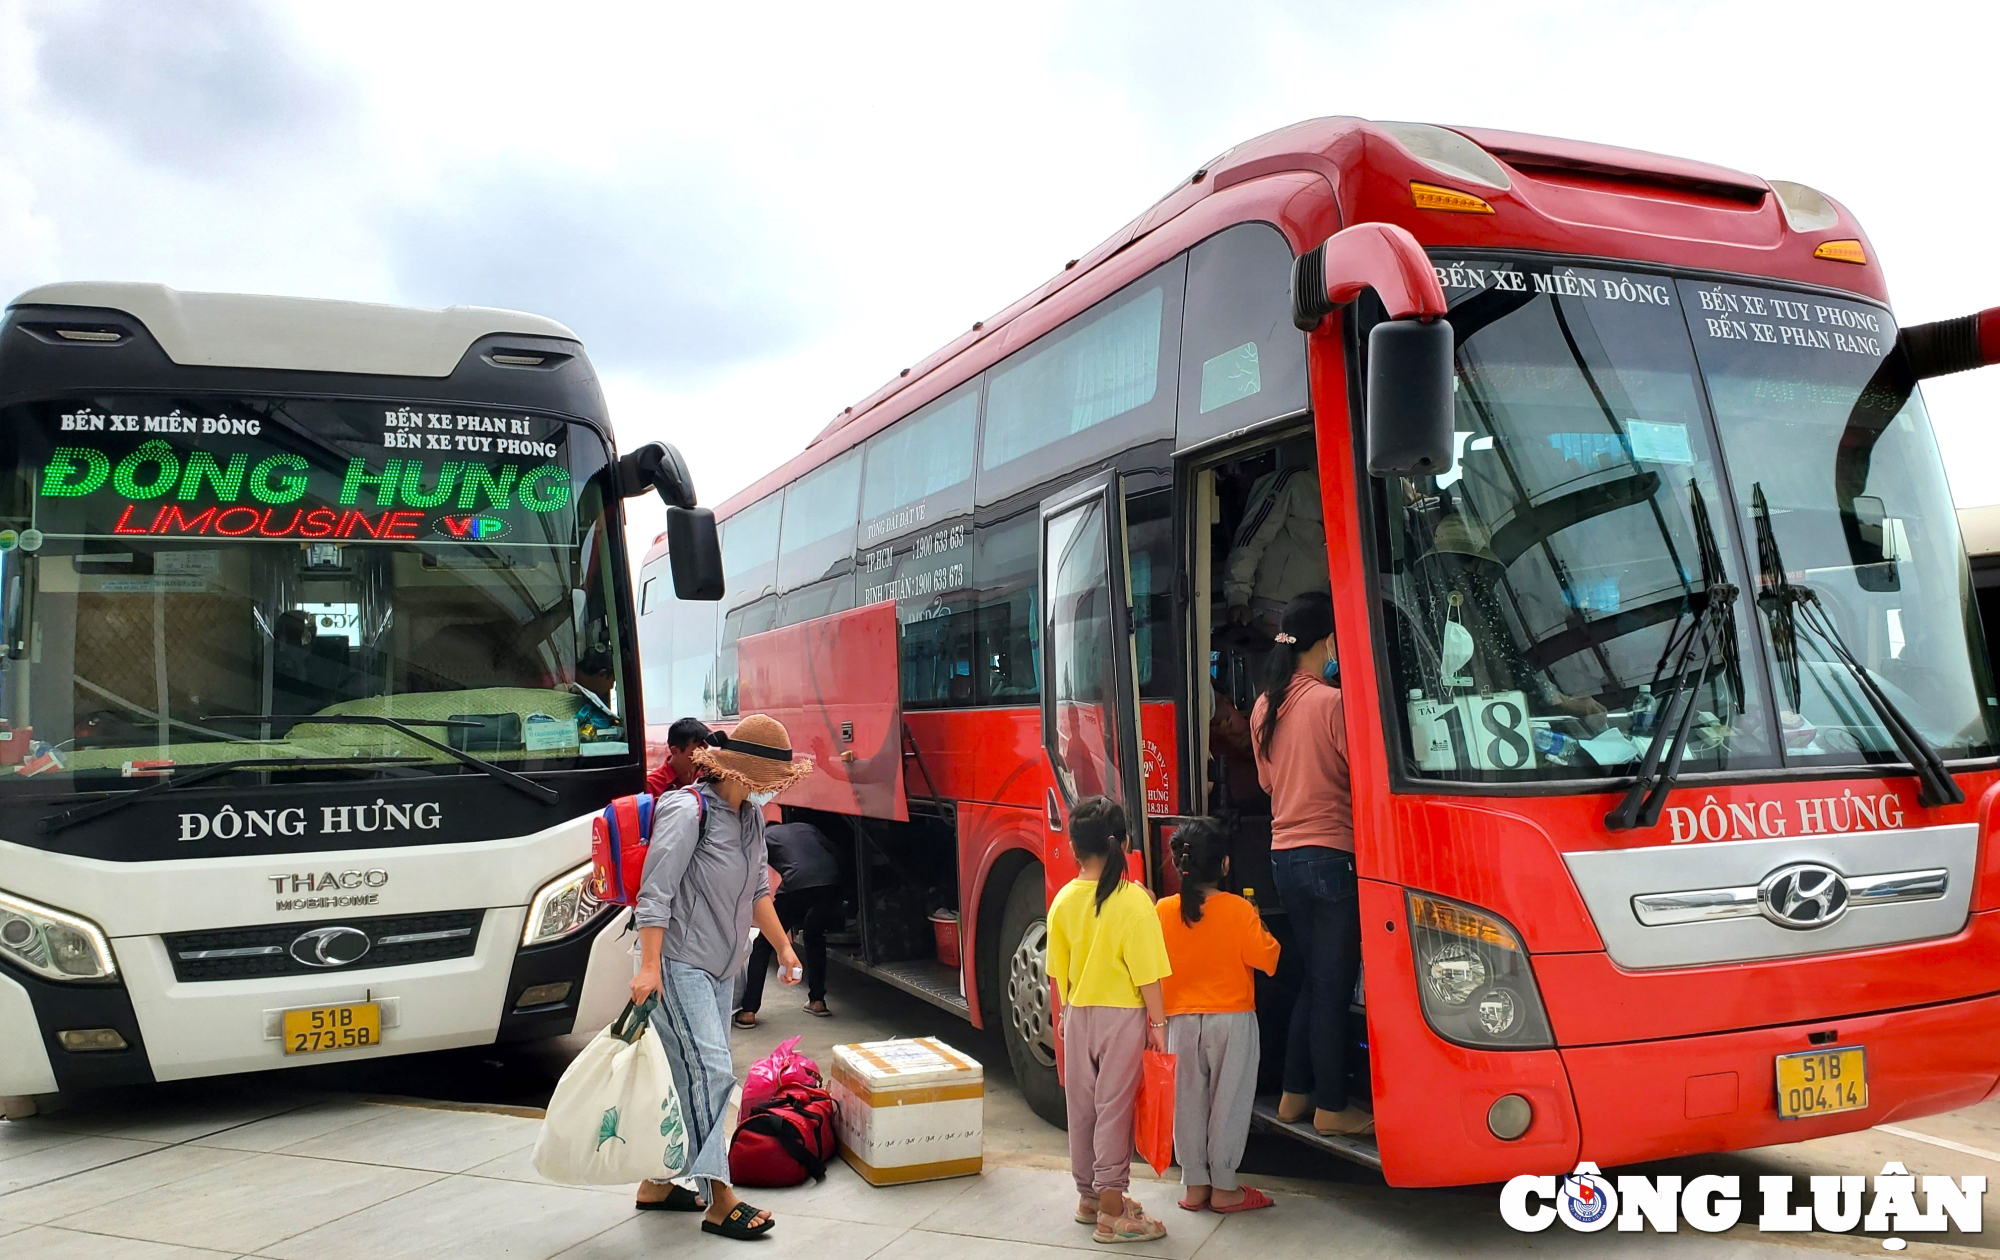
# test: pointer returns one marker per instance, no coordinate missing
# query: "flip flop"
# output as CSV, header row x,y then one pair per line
x,y
679,1199
737,1225
1253,1198
822,1012
1187,1206
743,1019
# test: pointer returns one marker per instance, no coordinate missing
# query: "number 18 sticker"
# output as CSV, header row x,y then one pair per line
x,y
1488,732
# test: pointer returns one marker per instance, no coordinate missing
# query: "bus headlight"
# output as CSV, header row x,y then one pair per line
x,y
1473,978
562,907
52,944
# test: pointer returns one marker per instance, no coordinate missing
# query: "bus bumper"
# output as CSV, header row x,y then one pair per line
x,y
177,1030
1641,1101
25,1067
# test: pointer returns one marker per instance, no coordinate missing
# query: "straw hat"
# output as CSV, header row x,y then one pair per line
x,y
758,753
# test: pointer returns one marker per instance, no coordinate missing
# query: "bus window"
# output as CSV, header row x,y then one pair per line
x,y
820,599
1048,407
749,569
282,571
1540,590
920,469
1149,540
750,550
818,535
1242,361
656,638
693,672
915,540
1835,471
1084,646
1005,633
739,624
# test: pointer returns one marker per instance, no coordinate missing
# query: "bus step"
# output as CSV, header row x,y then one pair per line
x,y
922,977
1362,1150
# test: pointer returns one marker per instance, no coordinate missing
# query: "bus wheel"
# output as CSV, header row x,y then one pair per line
x,y
1030,1031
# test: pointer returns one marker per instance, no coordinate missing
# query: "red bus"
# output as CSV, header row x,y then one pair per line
x,y
1673,732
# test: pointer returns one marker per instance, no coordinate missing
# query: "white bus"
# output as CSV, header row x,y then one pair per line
x,y
316,658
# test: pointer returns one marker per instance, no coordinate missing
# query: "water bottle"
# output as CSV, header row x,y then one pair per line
x,y
1644,710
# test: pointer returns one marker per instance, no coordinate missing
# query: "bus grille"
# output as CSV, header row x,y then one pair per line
x,y
295,949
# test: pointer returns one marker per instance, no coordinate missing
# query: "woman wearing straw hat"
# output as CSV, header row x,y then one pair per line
x,y
706,883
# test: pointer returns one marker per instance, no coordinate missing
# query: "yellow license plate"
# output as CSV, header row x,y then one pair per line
x,y
1821,1082
312,1029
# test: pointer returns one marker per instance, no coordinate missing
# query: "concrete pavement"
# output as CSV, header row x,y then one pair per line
x,y
269,1172
342,1163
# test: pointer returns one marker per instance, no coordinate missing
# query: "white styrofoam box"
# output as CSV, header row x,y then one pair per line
x,y
910,1109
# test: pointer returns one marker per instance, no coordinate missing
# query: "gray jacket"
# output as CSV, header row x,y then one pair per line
x,y
702,880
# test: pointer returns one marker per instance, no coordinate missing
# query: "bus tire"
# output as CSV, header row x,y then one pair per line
x,y
1026,1007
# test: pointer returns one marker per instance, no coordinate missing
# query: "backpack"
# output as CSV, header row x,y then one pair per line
x,y
785,1139
619,836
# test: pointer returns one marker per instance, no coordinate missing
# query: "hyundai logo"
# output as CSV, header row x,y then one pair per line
x,y
330,946
1804,896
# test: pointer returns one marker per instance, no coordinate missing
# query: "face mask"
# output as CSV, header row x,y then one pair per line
x,y
1330,671
1457,654
760,799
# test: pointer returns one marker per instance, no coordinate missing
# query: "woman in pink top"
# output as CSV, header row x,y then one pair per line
x,y
1299,735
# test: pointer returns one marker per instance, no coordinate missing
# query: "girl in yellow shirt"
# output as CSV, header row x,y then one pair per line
x,y
1107,956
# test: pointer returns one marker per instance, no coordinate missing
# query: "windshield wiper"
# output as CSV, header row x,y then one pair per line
x,y
1935,786
520,783
64,819
1789,605
1648,793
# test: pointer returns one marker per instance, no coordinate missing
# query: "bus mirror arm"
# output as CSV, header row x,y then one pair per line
x,y
1378,256
656,466
1952,345
1409,397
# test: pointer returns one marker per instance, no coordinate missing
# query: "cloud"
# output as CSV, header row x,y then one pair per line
x,y
200,85
659,278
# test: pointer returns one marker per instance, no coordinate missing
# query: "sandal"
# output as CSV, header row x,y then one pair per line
x,y
744,1019
679,1199
1130,1226
1189,1205
819,1009
1086,1211
737,1224
1253,1198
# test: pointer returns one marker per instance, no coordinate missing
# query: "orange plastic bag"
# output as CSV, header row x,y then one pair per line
x,y
1153,1117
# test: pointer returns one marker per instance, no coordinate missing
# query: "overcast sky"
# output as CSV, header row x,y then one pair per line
x,y
754,214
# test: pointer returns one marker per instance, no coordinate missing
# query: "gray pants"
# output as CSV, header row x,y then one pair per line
x,y
692,1022
1215,1081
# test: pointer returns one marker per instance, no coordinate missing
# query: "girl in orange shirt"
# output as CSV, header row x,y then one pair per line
x,y
1214,940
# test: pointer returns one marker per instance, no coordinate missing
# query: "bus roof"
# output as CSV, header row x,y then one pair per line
x,y
1314,177
244,330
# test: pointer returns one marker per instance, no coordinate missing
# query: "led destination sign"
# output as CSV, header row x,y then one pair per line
x,y
353,473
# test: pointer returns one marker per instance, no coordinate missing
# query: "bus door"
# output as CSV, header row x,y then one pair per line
x,y
1090,705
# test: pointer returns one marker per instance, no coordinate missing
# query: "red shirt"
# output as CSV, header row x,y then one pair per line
x,y
1305,769
662,778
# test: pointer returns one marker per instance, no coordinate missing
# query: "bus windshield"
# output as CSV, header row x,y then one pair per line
x,y
1663,487
183,580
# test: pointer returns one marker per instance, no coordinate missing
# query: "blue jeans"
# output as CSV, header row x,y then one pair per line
x,y
1317,888
692,1022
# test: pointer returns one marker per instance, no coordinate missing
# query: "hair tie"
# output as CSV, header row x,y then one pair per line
x,y
1282,637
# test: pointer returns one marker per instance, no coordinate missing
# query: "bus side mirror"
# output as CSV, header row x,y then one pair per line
x,y
694,554
656,466
1410,398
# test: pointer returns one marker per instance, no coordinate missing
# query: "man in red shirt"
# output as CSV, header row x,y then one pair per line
x,y
678,771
